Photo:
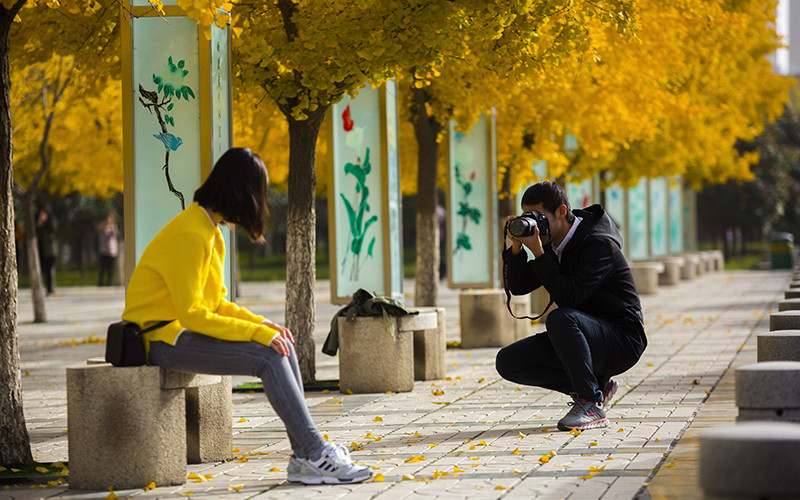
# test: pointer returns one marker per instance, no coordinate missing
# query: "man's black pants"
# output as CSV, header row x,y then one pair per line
x,y
578,353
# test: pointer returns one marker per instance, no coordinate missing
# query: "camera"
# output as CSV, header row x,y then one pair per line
x,y
524,224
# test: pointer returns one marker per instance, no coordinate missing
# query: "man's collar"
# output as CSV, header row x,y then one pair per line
x,y
568,237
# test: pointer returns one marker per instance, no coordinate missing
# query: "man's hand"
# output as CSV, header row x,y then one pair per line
x,y
533,241
280,342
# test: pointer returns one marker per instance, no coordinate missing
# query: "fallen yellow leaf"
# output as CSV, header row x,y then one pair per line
x,y
456,469
241,420
112,496
235,450
575,432
415,459
379,478
150,486
337,400
378,419
621,430
544,459
42,470
522,435
187,493
325,437
551,454
498,487
326,391
408,476
274,469
27,372
671,464
242,459
593,443
438,392
596,469
472,447
481,443
482,380
515,452
417,434
348,391
235,487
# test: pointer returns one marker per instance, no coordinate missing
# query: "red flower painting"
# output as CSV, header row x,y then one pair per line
x,y
347,122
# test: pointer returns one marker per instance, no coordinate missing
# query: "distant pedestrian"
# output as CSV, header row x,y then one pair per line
x,y
108,247
180,277
46,226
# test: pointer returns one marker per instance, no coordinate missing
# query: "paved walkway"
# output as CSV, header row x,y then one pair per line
x,y
482,438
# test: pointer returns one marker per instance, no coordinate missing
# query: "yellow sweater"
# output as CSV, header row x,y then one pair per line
x,y
180,277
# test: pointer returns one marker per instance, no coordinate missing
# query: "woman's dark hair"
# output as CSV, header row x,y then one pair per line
x,y
550,195
236,188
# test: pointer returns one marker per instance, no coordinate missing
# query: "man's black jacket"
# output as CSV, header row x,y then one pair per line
x,y
593,275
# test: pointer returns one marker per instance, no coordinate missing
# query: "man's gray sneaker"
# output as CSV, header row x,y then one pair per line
x,y
583,415
334,466
608,393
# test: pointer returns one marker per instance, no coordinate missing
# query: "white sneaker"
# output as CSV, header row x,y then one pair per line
x,y
334,466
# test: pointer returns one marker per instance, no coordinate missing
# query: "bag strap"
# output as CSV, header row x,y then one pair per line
x,y
508,292
157,325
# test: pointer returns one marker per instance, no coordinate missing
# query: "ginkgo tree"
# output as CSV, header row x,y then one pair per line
x,y
537,42
306,56
88,31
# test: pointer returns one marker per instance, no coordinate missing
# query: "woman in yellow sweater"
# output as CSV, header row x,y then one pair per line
x,y
180,278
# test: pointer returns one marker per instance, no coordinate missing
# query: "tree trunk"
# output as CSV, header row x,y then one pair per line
x,y
15,448
34,265
426,282
301,239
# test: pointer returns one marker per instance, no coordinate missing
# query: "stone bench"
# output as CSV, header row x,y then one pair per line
x,y
780,345
789,305
717,259
486,322
691,265
376,356
769,390
791,293
130,426
751,460
784,320
645,276
672,270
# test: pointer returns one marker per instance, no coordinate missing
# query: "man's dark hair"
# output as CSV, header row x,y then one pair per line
x,y
236,188
550,195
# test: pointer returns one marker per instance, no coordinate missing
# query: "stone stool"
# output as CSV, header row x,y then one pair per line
x,y
768,391
486,322
718,260
752,460
430,348
691,263
645,276
791,293
672,270
130,426
784,320
780,345
378,356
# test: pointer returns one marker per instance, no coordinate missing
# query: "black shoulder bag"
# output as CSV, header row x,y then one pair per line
x,y
124,343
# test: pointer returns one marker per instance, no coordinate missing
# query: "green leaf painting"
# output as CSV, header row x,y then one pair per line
x,y
466,212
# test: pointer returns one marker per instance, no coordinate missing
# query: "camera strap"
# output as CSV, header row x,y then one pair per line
x,y
508,292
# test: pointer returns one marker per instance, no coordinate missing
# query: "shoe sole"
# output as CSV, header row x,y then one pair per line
x,y
325,480
591,425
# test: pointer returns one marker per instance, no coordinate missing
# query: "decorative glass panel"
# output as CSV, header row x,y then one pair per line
x,y
470,211
658,217
166,118
675,216
637,221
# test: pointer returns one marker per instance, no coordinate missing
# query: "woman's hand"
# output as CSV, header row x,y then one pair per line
x,y
280,342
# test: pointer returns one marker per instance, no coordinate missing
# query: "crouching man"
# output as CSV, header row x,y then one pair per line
x,y
597,331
